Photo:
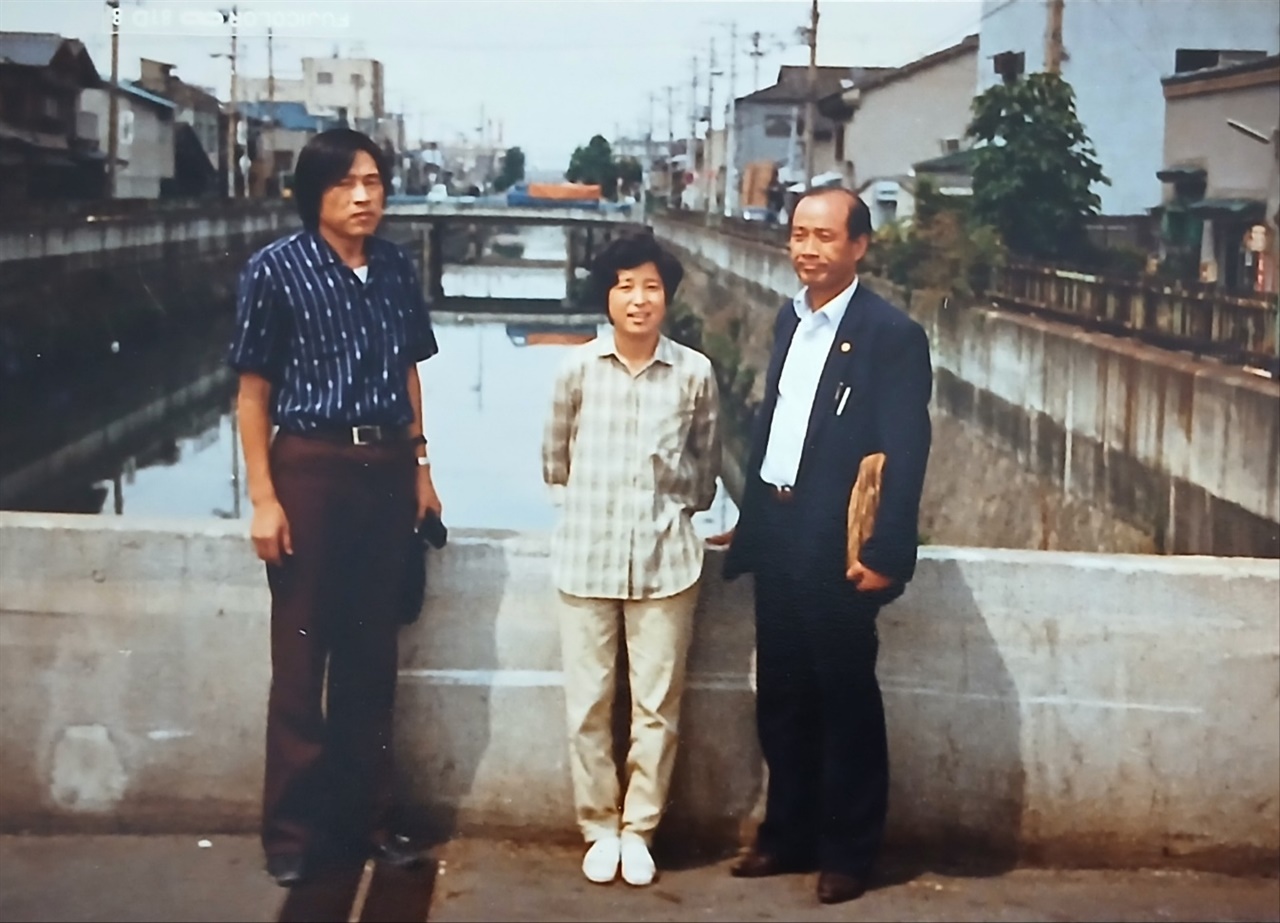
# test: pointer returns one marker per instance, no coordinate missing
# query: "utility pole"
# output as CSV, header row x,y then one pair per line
x,y
671,146
810,105
113,101
271,107
235,120
691,155
232,134
647,175
709,178
756,54
731,128
1053,38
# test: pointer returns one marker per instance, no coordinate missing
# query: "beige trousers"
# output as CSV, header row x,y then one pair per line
x,y
657,639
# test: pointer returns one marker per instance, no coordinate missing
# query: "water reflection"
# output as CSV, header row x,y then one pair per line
x,y
485,395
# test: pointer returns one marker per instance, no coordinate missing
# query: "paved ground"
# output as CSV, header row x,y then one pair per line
x,y
173,878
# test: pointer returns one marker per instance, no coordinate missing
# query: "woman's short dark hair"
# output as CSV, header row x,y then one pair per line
x,y
322,164
627,252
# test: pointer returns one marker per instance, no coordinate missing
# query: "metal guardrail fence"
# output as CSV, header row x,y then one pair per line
x,y
1232,327
1198,318
758,231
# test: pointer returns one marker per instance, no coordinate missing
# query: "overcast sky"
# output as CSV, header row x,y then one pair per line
x,y
553,72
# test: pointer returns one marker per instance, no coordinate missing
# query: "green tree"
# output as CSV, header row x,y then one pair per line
x,y
512,169
630,174
1034,167
594,164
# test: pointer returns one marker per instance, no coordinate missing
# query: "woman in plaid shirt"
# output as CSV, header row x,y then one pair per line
x,y
631,452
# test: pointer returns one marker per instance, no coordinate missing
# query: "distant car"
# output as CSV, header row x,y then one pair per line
x,y
439,192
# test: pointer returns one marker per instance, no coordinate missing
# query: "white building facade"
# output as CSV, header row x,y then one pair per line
x,y
1116,52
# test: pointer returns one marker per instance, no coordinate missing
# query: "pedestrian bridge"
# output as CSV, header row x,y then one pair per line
x,y
1048,707
494,211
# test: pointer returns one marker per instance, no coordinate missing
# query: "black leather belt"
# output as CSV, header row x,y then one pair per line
x,y
357,435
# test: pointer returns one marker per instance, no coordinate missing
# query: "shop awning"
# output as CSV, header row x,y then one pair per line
x,y
1180,174
1244,208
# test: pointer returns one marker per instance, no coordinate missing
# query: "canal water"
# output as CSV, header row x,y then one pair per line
x,y
486,395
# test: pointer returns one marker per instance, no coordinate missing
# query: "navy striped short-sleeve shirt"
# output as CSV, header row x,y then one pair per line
x,y
336,350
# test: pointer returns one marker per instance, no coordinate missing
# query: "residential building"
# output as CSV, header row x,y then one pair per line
x,y
196,106
343,88
145,148
1222,188
48,148
285,129
1115,54
769,123
900,117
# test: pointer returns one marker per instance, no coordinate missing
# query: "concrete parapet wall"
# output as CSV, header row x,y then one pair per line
x,y
71,288
1050,707
1182,451
92,242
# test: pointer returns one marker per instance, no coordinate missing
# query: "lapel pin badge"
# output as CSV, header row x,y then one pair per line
x,y
845,347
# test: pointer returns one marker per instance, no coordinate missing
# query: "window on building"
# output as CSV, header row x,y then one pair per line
x,y
1195,59
779,126
49,107
950,145
324,77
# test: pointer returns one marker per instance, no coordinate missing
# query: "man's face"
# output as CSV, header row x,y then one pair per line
x,y
823,255
637,301
353,207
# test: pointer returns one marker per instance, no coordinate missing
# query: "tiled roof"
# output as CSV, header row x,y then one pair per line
x,y
291,116
29,49
39,49
140,93
792,85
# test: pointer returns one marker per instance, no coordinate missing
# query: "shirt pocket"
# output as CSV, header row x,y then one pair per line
x,y
669,419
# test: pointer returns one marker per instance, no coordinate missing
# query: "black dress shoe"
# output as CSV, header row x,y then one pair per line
x,y
288,869
397,852
837,887
757,864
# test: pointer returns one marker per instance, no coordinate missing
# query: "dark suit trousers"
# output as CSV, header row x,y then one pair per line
x,y
333,642
819,713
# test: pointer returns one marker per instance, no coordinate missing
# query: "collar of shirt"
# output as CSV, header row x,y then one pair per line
x,y
375,253
832,311
664,353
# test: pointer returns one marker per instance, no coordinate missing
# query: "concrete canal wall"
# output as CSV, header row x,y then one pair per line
x,y
1045,707
71,286
1046,436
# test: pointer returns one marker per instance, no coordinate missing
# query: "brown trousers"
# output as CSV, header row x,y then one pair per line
x,y
334,610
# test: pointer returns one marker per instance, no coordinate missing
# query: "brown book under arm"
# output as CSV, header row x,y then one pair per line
x,y
864,500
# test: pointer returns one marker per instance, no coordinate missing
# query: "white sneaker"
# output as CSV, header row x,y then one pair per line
x,y
637,865
600,864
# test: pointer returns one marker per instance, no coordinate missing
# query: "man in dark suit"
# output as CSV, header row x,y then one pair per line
x,y
849,376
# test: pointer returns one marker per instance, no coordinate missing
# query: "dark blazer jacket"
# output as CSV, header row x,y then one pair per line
x,y
890,378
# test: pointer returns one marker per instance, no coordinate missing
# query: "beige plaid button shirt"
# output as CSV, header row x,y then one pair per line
x,y
630,458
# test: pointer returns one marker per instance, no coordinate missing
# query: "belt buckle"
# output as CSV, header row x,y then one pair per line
x,y
358,435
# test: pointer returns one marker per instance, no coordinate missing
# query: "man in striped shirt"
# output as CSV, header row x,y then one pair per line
x,y
330,326
631,450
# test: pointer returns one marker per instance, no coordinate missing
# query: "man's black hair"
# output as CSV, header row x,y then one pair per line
x,y
323,163
627,252
859,215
